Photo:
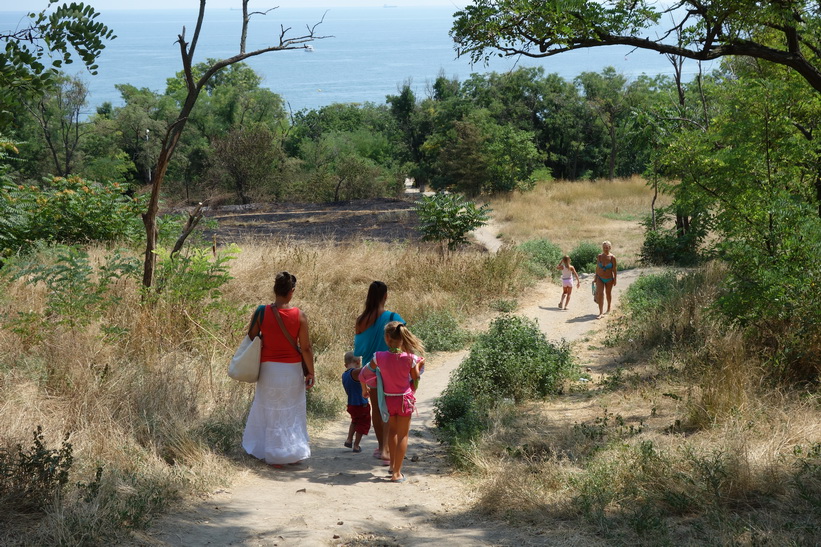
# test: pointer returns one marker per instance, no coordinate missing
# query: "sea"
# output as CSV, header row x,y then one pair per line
x,y
361,54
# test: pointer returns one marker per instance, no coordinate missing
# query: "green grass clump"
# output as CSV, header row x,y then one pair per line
x,y
440,331
543,256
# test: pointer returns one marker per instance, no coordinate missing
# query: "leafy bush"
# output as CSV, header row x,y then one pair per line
x,y
31,478
440,331
449,218
543,256
513,360
666,246
68,210
77,292
775,294
193,276
583,256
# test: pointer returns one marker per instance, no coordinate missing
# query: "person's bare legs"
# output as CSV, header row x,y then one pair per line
x,y
399,426
356,442
609,288
567,300
380,428
600,296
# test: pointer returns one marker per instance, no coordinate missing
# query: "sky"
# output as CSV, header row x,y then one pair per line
x,y
37,5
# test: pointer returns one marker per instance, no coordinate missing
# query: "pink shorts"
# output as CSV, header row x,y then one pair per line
x,y
401,405
567,282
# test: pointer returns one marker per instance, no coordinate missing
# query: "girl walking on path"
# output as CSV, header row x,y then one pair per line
x,y
368,339
398,371
568,273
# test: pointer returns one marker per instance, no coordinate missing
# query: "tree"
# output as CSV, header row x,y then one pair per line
x,y
34,54
57,112
787,32
248,157
606,96
480,156
193,87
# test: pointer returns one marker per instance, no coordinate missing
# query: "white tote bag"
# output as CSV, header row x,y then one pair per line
x,y
244,365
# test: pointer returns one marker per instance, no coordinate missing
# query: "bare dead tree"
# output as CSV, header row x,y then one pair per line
x,y
246,19
175,129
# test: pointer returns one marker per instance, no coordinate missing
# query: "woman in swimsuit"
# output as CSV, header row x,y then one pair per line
x,y
605,276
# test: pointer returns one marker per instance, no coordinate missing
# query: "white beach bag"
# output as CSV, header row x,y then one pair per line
x,y
244,365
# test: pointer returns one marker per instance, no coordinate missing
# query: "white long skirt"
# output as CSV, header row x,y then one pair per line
x,y
277,426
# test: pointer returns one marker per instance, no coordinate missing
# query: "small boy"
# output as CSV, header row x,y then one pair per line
x,y
358,406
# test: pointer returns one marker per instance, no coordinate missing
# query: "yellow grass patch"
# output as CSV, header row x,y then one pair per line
x,y
568,213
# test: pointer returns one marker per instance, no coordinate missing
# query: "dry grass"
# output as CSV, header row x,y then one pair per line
x,y
142,389
568,213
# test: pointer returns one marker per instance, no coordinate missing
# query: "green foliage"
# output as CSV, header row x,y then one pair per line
x,y
31,478
514,361
583,256
777,295
34,53
440,331
486,28
479,156
348,165
195,275
449,218
77,292
543,257
665,246
67,210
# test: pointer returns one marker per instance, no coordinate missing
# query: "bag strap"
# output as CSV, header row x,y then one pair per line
x,y
259,316
284,330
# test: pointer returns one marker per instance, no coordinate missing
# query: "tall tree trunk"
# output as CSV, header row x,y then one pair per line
x,y
172,136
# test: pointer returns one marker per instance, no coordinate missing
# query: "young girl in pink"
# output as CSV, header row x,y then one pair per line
x,y
398,371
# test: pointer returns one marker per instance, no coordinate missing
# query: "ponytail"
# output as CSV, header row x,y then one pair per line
x,y
406,341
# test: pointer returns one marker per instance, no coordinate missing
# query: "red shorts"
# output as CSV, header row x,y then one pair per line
x,y
360,418
401,405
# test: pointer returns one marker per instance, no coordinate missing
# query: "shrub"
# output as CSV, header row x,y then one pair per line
x,y
543,257
77,292
583,256
440,331
513,360
68,210
31,478
194,276
773,292
449,218
664,246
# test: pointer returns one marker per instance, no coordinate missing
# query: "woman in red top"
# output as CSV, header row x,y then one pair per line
x,y
277,426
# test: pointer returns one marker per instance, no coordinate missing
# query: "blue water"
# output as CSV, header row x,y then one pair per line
x,y
368,54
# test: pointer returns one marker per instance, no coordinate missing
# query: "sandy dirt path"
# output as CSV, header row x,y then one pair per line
x,y
341,498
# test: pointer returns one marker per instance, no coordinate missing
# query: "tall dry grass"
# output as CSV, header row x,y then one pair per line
x,y
568,213
143,392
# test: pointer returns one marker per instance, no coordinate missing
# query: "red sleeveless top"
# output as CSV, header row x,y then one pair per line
x,y
275,347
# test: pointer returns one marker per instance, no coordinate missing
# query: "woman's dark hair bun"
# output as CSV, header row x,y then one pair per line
x,y
284,283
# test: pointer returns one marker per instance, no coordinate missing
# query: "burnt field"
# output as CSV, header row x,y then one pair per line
x,y
382,219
